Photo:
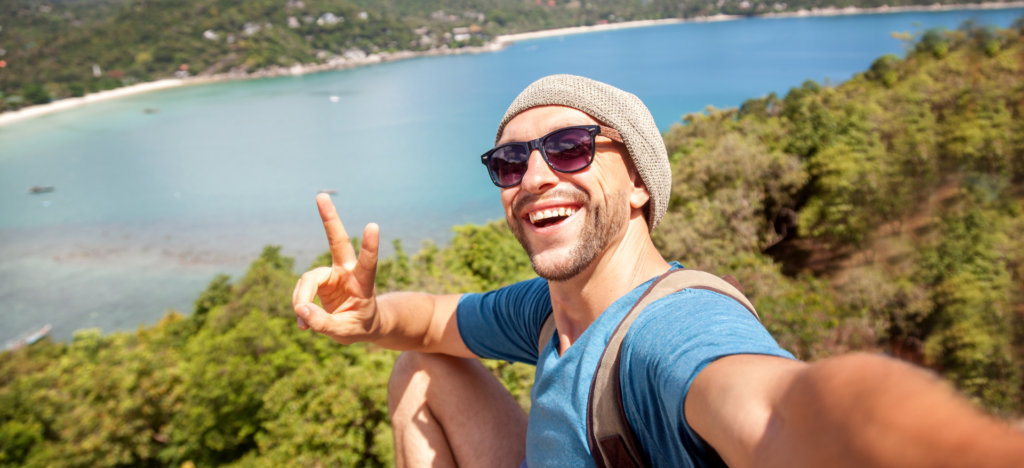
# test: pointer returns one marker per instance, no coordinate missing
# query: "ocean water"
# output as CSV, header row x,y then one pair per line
x,y
149,206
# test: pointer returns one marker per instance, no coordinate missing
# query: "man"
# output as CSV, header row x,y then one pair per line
x,y
584,179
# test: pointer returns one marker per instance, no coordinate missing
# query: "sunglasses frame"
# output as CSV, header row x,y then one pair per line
x,y
538,144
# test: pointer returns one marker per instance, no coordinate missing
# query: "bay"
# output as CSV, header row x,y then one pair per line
x,y
149,206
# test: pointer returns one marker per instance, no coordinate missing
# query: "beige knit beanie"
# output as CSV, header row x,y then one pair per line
x,y
617,109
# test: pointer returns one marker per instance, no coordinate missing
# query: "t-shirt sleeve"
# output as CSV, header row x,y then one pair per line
x,y
505,323
671,341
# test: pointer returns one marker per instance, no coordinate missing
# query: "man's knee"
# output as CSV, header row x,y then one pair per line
x,y
406,366
413,371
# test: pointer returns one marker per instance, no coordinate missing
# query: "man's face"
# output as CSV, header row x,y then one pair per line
x,y
591,207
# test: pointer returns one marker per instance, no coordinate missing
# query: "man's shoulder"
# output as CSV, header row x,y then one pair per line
x,y
531,293
697,318
698,325
527,290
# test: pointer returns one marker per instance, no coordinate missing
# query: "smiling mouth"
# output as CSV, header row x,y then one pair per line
x,y
551,216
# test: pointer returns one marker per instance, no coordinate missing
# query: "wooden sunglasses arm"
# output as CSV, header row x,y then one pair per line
x,y
611,134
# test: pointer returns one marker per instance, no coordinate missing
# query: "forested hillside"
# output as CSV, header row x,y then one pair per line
x,y
64,48
883,214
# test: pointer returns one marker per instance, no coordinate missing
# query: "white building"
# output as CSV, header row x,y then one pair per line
x,y
460,34
329,19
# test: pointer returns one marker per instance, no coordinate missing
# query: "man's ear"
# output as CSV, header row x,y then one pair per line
x,y
639,195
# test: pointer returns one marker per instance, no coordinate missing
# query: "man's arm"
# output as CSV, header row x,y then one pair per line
x,y
421,322
351,310
857,411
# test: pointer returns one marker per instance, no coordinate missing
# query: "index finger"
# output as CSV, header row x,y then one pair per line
x,y
337,238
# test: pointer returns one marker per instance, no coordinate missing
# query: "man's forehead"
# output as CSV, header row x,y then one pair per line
x,y
536,122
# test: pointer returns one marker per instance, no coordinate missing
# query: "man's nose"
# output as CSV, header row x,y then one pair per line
x,y
539,176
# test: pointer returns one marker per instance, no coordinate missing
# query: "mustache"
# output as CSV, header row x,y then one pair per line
x,y
572,194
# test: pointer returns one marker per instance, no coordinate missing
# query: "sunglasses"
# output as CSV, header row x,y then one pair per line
x,y
566,150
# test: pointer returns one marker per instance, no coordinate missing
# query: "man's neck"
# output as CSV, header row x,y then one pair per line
x,y
624,265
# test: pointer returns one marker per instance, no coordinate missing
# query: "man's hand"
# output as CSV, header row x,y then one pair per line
x,y
346,288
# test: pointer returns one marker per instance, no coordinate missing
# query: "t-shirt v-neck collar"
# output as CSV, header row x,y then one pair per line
x,y
604,316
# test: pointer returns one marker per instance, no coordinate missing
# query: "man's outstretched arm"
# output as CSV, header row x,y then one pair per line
x,y
851,411
351,310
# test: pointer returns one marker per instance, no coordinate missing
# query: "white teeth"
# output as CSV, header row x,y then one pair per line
x,y
544,214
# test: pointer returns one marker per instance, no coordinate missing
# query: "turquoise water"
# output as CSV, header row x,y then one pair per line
x,y
148,207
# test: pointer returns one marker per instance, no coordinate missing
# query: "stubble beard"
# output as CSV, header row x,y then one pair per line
x,y
599,229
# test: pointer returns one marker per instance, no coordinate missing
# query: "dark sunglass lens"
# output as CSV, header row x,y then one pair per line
x,y
508,164
569,150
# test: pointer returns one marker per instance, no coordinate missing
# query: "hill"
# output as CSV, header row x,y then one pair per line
x,y
880,215
58,49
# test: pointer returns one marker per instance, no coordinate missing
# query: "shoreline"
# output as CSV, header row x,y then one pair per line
x,y
499,43
333,63
801,13
71,103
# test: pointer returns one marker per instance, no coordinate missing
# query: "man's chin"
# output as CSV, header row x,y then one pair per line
x,y
557,265
556,256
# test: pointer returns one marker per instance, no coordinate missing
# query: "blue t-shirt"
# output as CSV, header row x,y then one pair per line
x,y
671,341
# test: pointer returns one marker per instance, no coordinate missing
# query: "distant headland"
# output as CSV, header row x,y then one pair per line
x,y
359,58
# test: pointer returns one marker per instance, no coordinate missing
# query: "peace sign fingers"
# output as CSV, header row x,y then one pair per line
x,y
366,267
338,240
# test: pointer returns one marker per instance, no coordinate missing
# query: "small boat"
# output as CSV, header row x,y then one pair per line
x,y
27,339
41,188
150,110
329,191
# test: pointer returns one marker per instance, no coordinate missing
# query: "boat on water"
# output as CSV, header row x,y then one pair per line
x,y
28,339
41,189
329,191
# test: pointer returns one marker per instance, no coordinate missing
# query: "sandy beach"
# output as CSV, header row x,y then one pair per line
x,y
333,63
70,103
830,11
499,43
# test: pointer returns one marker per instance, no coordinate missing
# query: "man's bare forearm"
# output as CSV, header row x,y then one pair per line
x,y
420,322
862,410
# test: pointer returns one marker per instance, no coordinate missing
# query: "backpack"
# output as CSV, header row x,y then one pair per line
x,y
612,442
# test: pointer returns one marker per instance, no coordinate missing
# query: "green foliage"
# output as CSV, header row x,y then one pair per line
x,y
393,273
890,201
236,383
16,440
968,330
480,258
217,294
883,70
36,94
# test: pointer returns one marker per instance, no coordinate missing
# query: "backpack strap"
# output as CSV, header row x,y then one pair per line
x,y
546,331
612,442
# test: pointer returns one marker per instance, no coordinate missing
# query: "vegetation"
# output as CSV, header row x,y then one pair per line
x,y
236,382
56,49
881,215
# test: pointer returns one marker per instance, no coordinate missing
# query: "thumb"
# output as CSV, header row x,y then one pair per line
x,y
311,316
